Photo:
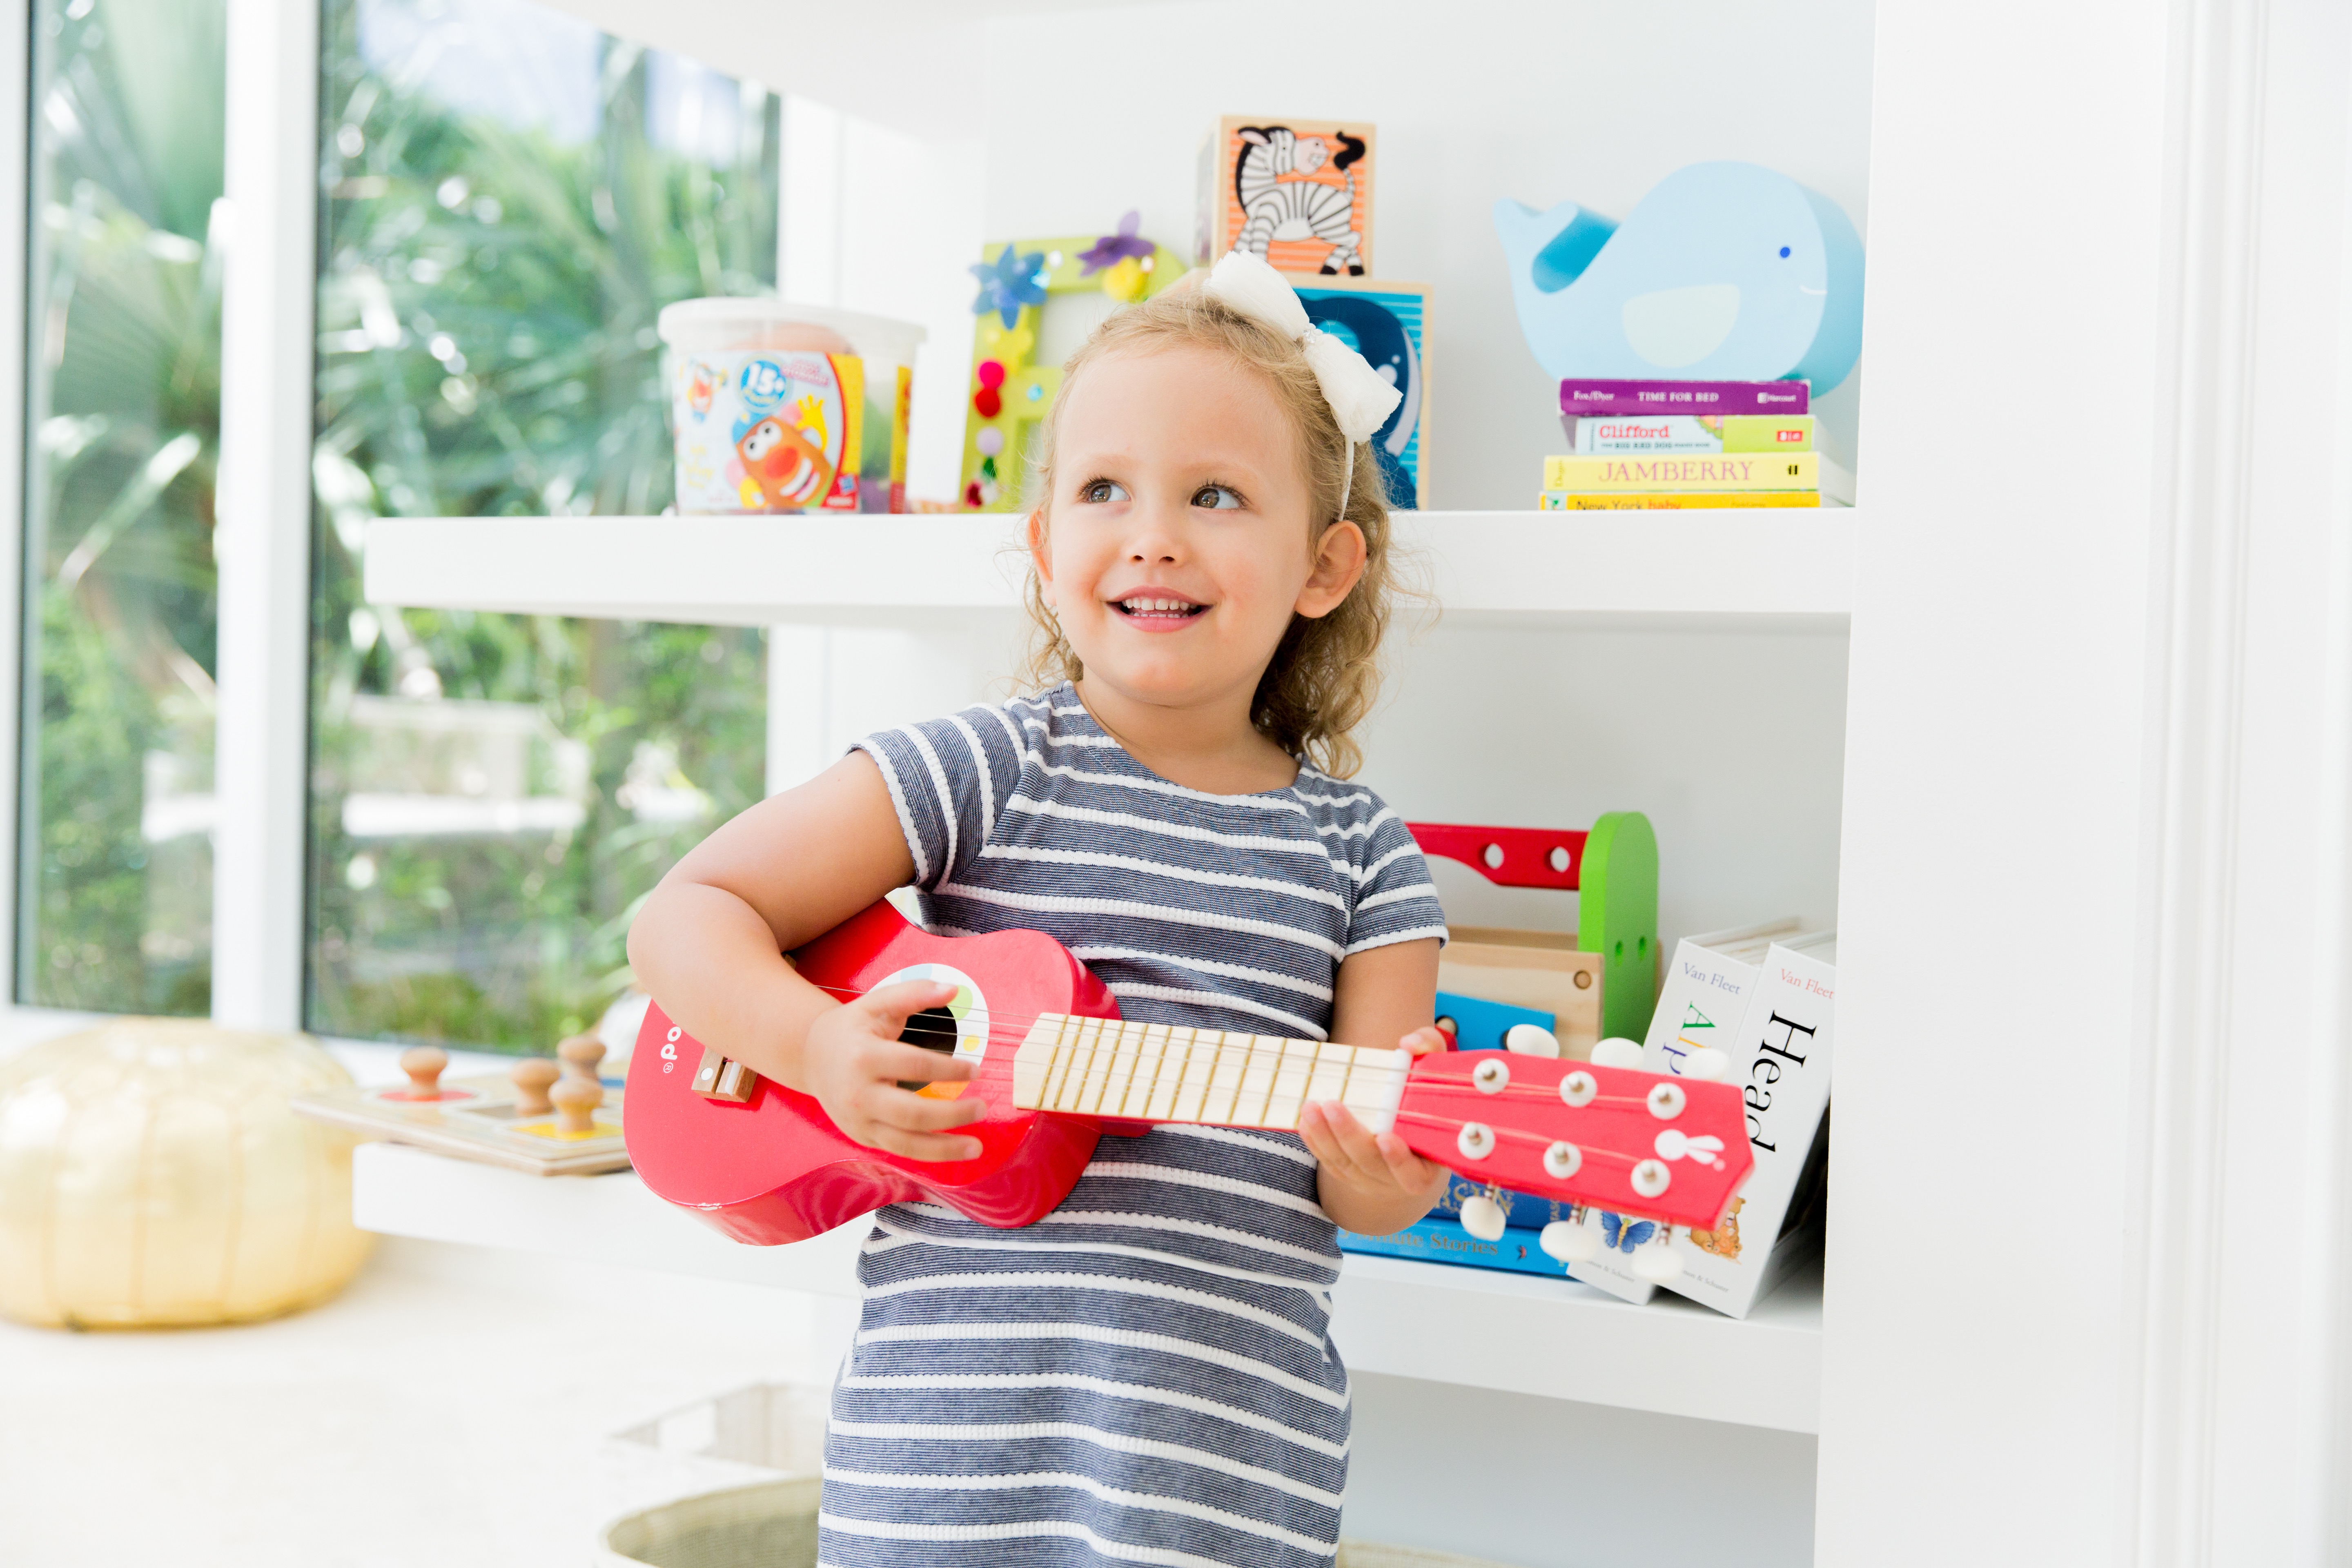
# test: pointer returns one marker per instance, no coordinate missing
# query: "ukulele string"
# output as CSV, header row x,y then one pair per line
x,y
1013,1034
1015,1020
1256,1052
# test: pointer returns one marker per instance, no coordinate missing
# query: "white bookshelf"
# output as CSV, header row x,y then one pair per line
x,y
1475,1327
1694,569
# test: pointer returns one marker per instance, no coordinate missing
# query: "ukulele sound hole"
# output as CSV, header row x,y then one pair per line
x,y
934,1029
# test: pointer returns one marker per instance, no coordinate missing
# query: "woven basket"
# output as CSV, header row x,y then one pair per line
x,y
773,1525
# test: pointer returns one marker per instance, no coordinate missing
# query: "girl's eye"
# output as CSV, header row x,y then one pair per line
x,y
1216,497
1101,492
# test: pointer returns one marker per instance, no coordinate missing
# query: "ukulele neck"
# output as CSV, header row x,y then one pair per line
x,y
1160,1072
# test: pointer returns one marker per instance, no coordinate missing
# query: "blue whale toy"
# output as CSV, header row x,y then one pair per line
x,y
1723,273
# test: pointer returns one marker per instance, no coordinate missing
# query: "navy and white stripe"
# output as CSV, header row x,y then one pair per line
x,y
1147,1374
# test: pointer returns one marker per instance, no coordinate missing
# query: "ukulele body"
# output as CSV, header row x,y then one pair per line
x,y
773,1168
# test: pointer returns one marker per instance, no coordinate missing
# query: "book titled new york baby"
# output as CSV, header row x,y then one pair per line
x,y
1756,471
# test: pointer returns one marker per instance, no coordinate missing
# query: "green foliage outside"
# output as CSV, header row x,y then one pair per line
x,y
486,347
123,406
486,324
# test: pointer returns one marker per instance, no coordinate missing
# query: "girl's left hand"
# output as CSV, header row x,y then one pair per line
x,y
1371,1184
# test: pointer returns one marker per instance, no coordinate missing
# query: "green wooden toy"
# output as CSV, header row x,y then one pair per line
x,y
1617,917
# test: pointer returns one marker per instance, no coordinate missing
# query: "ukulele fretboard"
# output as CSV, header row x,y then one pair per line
x,y
1159,1072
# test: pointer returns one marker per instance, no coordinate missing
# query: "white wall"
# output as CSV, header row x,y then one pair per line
x,y
1550,1484
1087,116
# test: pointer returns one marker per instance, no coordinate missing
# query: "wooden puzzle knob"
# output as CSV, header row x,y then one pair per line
x,y
423,1065
575,1100
581,1053
531,1078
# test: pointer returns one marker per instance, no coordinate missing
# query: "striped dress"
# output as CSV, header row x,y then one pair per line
x,y
1147,1374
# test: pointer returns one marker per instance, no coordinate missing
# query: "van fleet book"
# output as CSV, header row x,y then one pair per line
x,y
1707,988
1780,1054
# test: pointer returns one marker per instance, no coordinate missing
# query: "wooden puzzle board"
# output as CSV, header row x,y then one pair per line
x,y
1307,220
476,1119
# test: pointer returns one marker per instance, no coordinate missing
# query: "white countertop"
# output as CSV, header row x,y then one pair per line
x,y
1477,1327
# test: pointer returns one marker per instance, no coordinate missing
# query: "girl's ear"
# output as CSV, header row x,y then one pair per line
x,y
1040,555
1340,559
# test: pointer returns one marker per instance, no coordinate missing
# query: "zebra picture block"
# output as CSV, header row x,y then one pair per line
x,y
1296,191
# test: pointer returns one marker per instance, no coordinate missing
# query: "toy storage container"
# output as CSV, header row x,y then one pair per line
x,y
788,408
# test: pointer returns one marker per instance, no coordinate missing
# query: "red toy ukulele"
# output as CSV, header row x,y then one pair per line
x,y
1057,1067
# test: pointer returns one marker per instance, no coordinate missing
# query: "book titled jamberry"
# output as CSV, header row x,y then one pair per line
x,y
1598,396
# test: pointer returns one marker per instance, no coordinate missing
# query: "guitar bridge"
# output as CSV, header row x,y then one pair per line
x,y
721,1078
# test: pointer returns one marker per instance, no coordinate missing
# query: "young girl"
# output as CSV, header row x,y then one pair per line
x,y
1146,1375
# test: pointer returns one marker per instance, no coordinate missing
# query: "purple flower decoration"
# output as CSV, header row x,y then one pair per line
x,y
1009,282
1113,248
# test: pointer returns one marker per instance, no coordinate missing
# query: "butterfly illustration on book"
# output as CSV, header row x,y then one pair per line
x,y
1623,1233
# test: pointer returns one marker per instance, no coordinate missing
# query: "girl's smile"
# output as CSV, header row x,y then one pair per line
x,y
1152,609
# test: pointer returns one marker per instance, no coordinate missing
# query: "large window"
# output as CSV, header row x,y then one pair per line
x,y
508,199
114,901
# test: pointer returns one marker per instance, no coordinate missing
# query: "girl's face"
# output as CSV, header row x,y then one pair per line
x,y
1181,542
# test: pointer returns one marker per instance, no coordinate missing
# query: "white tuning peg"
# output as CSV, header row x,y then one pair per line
x,y
1482,1217
1708,1064
1617,1052
1569,1242
1532,1040
1659,1265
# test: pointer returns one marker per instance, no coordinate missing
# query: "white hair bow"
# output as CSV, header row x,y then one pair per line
x,y
1360,397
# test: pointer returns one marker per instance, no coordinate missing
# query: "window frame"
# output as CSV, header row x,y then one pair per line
x,y
263,533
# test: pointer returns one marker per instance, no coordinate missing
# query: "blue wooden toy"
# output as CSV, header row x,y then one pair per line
x,y
1480,1025
1723,273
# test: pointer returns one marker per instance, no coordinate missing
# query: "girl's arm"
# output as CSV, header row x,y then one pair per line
x,y
709,943
1367,1184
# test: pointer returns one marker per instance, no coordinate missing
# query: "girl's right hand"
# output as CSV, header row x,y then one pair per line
x,y
852,1062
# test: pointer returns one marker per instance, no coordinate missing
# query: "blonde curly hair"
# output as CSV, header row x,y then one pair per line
x,y
1324,675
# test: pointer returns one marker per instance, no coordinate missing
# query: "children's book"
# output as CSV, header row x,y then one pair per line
x,y
1703,1001
1785,999
1441,1239
1578,396
1675,500
1601,435
1520,1210
1671,472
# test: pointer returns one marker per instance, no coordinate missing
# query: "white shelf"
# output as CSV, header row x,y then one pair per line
x,y
1486,1330
1788,567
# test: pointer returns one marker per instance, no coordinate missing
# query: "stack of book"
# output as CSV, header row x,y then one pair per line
x,y
1440,1239
1766,997
1636,445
